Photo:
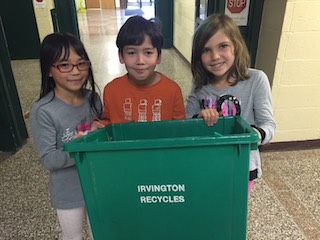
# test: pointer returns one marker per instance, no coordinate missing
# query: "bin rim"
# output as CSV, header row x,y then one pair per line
x,y
81,145
158,143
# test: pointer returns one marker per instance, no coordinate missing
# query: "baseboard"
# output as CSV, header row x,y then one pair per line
x,y
291,146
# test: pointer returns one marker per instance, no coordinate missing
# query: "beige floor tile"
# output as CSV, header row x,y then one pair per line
x,y
285,203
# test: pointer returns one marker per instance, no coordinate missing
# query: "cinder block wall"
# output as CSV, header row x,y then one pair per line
x,y
183,26
289,52
43,18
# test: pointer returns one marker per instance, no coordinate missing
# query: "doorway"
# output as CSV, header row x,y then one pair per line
x,y
93,3
101,4
143,8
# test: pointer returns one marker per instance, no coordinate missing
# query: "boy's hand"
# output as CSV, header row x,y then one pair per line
x,y
209,115
96,125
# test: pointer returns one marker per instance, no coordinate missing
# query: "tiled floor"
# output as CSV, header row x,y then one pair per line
x,y
285,203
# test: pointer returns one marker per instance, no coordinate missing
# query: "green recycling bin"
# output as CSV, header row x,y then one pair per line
x,y
166,180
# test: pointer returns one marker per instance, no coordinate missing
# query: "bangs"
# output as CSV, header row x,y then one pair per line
x,y
134,38
64,47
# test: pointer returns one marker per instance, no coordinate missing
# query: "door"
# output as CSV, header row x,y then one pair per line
x,y
164,11
19,23
13,129
108,4
92,3
123,4
246,13
66,16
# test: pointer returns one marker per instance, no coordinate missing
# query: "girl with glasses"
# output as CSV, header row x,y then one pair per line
x,y
65,110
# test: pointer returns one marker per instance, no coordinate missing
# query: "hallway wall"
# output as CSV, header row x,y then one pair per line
x,y
44,21
183,26
288,52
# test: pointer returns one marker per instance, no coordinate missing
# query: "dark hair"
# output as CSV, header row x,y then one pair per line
x,y
203,33
134,31
57,46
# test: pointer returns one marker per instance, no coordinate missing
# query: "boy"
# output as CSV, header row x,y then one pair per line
x,y
142,94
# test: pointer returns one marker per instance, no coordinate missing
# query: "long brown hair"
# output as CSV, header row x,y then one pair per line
x,y
203,33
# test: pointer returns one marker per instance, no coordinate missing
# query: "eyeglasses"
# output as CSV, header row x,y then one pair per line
x,y
68,67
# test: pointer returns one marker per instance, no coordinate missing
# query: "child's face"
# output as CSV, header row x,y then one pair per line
x,y
218,55
140,62
70,81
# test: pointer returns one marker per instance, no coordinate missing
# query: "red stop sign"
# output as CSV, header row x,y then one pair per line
x,y
236,6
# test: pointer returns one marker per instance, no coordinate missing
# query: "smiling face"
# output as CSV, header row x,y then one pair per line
x,y
218,56
141,61
69,83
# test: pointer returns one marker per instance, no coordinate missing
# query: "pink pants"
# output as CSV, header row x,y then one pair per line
x,y
250,186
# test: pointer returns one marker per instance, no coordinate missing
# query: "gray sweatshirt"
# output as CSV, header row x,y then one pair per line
x,y
254,95
53,123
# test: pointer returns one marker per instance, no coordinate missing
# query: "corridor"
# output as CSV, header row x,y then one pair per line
x,y
285,202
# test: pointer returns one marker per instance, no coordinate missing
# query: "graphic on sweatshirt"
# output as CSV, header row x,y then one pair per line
x,y
127,109
156,110
142,110
83,126
67,135
230,105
